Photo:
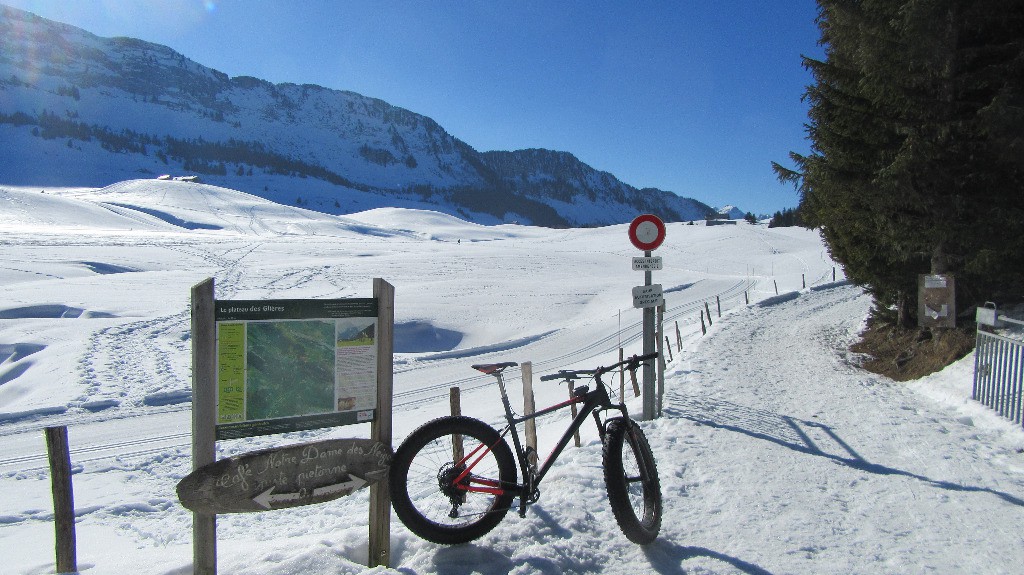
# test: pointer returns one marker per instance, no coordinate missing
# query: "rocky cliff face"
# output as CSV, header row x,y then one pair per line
x,y
77,109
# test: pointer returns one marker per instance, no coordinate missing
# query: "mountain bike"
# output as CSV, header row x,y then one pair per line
x,y
454,478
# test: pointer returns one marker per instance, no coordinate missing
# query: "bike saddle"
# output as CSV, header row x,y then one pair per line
x,y
492,368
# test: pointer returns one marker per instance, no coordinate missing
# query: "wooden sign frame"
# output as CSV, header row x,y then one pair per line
x,y
204,419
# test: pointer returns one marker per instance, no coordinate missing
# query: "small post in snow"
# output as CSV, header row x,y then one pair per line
x,y
455,400
529,406
63,498
575,412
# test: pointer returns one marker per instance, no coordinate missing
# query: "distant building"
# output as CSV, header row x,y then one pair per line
x,y
718,219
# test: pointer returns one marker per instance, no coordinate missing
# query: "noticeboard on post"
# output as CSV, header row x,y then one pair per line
x,y
290,365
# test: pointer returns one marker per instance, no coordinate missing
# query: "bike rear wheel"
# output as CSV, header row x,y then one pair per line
x,y
631,476
426,491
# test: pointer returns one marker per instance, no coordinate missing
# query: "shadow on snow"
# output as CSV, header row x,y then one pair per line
x,y
796,434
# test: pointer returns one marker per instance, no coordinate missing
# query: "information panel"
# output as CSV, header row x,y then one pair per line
x,y
288,365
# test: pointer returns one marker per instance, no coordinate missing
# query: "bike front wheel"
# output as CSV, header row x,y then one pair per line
x,y
631,476
452,480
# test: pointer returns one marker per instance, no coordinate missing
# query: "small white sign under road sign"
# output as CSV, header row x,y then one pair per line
x,y
647,296
647,264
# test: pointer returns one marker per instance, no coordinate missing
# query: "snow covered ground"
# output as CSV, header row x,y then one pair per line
x,y
776,454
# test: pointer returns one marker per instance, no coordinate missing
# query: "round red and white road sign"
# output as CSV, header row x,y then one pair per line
x,y
647,232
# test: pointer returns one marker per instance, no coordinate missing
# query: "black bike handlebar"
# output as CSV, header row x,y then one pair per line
x,y
632,362
567,374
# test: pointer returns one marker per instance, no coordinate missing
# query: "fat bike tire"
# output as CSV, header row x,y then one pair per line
x,y
631,476
421,477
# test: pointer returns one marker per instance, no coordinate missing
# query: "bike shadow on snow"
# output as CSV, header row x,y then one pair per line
x,y
667,558
810,437
664,557
472,559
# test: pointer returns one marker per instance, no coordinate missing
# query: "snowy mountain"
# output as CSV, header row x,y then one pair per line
x,y
77,109
731,212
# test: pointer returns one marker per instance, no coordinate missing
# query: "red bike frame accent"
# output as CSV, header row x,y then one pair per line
x,y
493,487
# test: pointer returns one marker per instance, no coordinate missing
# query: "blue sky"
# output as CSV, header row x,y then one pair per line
x,y
697,98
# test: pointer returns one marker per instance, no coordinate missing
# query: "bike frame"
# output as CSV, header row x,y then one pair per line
x,y
592,402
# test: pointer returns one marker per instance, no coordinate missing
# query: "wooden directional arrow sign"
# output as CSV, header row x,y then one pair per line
x,y
285,477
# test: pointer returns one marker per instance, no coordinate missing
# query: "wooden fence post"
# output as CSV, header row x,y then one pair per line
x,y
379,547
575,412
661,359
679,339
776,287
636,386
454,398
529,406
63,498
718,301
622,380
668,347
703,328
707,309
803,281
746,297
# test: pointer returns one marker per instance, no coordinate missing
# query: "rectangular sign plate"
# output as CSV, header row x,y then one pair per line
x,y
647,296
647,264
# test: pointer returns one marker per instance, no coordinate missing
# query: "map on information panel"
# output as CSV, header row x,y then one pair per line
x,y
288,365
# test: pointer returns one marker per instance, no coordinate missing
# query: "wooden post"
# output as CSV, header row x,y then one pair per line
x,y
622,380
455,399
776,287
379,548
746,297
636,386
63,498
529,406
707,309
204,419
718,301
833,273
703,328
661,360
803,280
575,412
679,339
632,375
668,348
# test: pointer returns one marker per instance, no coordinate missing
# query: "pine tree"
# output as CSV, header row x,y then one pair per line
x,y
917,117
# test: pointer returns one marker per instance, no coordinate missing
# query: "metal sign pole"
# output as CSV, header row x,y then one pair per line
x,y
650,336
